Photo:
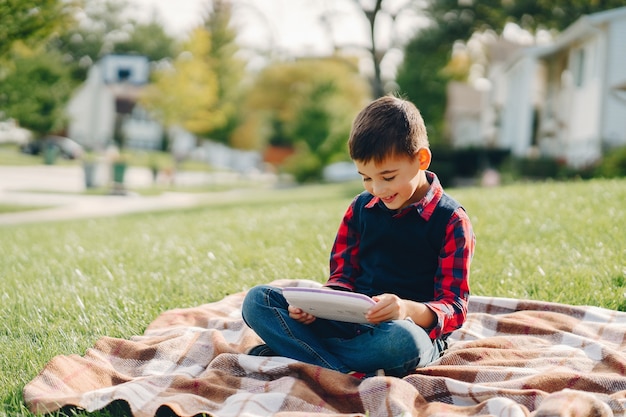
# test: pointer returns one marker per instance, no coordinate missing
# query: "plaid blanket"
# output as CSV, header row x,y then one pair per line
x,y
511,358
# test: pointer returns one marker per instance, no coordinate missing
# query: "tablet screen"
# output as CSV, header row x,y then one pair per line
x,y
330,304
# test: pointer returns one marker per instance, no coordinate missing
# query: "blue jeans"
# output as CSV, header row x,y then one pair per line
x,y
397,346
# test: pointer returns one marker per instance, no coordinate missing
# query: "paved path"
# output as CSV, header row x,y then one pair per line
x,y
57,189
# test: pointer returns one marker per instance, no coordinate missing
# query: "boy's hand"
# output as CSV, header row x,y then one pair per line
x,y
392,307
388,307
300,316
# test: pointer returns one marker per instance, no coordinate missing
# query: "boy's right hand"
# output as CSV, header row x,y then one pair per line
x,y
300,315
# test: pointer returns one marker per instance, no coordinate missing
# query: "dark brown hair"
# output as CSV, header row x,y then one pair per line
x,y
387,126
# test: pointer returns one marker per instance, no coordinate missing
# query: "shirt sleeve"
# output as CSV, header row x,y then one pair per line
x,y
452,276
344,256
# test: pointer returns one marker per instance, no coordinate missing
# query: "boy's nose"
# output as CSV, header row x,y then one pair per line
x,y
378,189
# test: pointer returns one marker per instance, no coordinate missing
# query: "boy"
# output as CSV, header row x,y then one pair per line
x,y
403,242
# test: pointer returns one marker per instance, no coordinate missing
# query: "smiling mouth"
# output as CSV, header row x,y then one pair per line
x,y
388,199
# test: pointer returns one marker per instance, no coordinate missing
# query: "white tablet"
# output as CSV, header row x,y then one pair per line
x,y
330,304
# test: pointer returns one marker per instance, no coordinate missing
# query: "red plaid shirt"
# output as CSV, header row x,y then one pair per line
x,y
451,289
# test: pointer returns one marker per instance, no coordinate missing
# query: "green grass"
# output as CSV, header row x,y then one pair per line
x,y
13,208
66,284
10,155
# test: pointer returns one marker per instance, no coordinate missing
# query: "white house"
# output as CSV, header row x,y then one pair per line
x,y
91,112
105,106
566,100
464,107
474,111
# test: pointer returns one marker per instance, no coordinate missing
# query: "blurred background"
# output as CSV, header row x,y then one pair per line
x,y
509,89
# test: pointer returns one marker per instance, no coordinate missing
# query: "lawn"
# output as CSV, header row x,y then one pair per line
x,y
11,155
64,285
12,208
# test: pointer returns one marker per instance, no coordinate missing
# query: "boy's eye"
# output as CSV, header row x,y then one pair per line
x,y
389,178
366,179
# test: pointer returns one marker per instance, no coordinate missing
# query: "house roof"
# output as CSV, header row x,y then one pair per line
x,y
584,26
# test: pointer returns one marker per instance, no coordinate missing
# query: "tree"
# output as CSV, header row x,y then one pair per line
x,y
148,39
35,83
383,19
306,104
186,93
313,123
283,90
228,69
102,29
475,16
36,90
200,91
32,21
421,78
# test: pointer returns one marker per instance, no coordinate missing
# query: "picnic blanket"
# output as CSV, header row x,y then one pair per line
x,y
511,358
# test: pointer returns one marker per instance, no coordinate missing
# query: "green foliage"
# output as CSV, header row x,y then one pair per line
x,y
36,90
312,124
201,92
148,39
421,78
278,134
228,68
535,168
93,35
452,164
307,104
613,164
36,82
31,21
532,14
186,94
104,29
466,17
304,166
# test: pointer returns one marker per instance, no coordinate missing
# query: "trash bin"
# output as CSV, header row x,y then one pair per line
x,y
50,154
119,169
90,171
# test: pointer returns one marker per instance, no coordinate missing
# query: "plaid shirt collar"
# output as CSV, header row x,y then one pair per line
x,y
424,207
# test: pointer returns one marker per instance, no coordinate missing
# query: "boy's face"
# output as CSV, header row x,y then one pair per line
x,y
398,180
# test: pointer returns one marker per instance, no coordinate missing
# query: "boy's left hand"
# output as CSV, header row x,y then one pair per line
x,y
388,307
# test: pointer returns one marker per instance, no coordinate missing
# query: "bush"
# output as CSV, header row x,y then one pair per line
x,y
304,166
614,164
450,164
536,168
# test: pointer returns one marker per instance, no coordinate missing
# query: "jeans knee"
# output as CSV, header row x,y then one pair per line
x,y
403,338
258,300
251,302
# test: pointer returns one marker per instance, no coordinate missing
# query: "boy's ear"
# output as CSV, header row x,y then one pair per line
x,y
424,157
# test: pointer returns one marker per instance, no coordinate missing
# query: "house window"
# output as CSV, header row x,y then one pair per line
x,y
124,74
578,67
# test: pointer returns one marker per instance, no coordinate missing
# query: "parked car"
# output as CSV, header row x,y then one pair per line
x,y
67,148
11,132
340,172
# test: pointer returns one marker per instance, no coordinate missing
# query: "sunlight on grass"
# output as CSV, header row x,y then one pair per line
x,y
561,242
67,284
14,208
11,155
